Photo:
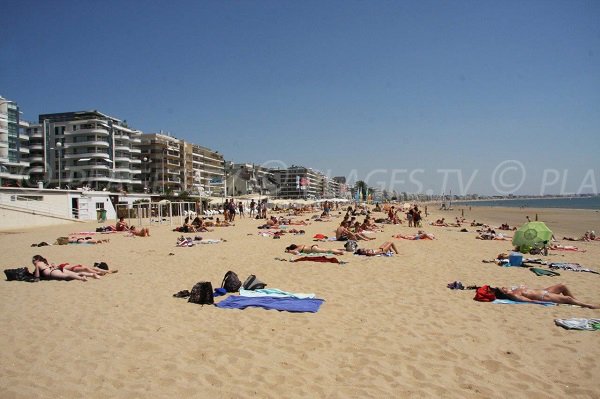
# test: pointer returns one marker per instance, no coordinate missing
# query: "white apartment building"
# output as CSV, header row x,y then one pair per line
x,y
14,145
248,179
86,148
204,170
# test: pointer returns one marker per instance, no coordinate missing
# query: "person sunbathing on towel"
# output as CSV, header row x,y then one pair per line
x,y
223,223
421,235
383,249
143,232
564,247
558,293
313,249
585,237
440,223
49,271
86,240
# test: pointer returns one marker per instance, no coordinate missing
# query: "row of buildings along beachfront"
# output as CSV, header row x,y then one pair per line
x,y
89,149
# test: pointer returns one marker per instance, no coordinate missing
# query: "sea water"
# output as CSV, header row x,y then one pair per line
x,y
563,202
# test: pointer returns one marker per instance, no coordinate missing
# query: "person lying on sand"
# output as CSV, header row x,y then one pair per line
x,y
492,235
143,232
559,247
86,240
588,236
43,269
383,249
313,249
421,235
558,293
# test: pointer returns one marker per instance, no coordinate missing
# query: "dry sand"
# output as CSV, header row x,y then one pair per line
x,y
389,326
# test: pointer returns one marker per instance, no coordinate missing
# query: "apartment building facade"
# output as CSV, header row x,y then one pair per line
x,y
172,164
298,182
250,179
85,149
204,170
14,145
162,163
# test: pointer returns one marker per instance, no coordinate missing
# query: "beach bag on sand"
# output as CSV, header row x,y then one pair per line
x,y
351,245
484,294
253,283
202,293
20,274
231,282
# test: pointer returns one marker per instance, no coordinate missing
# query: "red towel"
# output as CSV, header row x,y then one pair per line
x,y
322,259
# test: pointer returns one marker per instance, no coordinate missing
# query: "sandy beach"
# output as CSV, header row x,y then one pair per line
x,y
389,326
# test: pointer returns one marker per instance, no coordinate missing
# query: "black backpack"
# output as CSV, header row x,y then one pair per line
x,y
202,293
253,283
20,274
231,282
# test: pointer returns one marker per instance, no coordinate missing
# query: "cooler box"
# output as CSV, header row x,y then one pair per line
x,y
515,259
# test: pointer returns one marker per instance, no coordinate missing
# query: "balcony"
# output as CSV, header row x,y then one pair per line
x,y
24,150
96,130
90,167
102,155
36,158
98,143
123,148
37,169
36,146
23,137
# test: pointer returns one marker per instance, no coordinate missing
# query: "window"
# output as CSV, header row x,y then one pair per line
x,y
99,205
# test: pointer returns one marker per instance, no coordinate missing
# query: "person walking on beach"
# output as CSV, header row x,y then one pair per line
x,y
252,207
241,209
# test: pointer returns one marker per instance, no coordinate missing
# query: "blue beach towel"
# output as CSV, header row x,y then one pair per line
x,y
511,302
287,304
275,293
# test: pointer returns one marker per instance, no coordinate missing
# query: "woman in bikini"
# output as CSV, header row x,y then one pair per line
x,y
383,249
53,272
558,293
421,235
313,249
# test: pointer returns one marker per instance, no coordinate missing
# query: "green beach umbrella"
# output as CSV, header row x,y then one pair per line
x,y
531,233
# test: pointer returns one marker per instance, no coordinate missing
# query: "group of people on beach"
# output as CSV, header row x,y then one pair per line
x,y
65,271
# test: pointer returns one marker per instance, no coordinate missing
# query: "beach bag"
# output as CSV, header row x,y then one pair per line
x,y
19,274
231,282
351,245
484,294
202,293
101,265
253,283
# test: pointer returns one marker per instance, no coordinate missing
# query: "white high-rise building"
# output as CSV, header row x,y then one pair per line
x,y
86,148
14,145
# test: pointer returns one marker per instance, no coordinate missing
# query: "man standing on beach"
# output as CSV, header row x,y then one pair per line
x,y
252,206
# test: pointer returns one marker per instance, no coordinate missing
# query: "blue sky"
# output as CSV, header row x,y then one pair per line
x,y
491,92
